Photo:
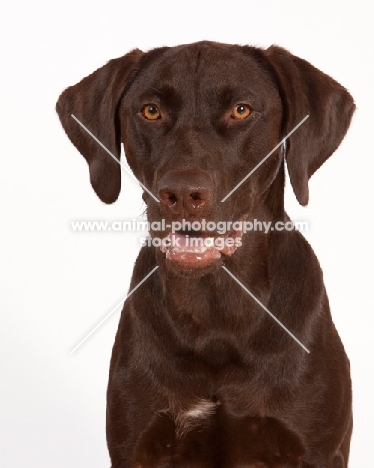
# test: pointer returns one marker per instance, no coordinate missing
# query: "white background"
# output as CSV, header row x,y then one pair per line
x,y
56,284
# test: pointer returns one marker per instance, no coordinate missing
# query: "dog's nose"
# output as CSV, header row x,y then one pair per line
x,y
185,193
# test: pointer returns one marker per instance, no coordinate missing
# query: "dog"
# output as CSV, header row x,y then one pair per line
x,y
227,355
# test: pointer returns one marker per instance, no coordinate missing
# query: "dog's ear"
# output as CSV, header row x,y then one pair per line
x,y
305,91
94,102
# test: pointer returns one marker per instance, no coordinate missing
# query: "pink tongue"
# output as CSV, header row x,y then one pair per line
x,y
201,257
194,260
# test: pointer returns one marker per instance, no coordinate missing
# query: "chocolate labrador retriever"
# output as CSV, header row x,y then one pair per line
x,y
202,375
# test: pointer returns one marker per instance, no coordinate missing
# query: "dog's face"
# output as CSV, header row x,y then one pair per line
x,y
194,121
193,125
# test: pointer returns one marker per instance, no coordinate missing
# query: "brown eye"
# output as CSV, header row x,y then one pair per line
x,y
151,112
241,111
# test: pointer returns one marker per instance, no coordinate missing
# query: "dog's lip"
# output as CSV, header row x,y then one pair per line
x,y
193,260
177,247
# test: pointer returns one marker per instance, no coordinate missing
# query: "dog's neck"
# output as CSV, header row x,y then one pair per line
x,y
203,305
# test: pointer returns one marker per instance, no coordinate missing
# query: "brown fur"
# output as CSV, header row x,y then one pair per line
x,y
193,335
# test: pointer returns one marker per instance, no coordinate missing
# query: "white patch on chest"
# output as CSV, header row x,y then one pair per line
x,y
197,415
203,409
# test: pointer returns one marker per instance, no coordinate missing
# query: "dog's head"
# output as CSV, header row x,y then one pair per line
x,y
195,120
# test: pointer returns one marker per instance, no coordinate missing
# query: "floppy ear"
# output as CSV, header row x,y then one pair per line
x,y
305,90
94,102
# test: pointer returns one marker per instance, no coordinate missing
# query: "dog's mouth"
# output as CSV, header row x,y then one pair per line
x,y
199,249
